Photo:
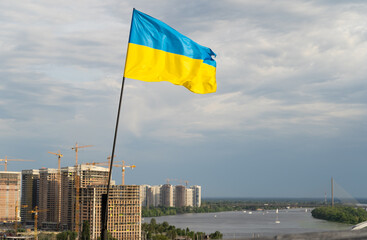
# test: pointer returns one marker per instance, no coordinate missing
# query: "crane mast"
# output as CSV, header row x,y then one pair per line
x,y
77,187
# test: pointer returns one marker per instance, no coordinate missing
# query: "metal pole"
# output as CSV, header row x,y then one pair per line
x,y
105,212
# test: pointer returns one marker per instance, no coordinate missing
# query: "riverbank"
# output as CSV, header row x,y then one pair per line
x,y
341,214
240,224
218,205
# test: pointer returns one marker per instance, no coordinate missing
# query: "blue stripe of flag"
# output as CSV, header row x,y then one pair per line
x,y
150,32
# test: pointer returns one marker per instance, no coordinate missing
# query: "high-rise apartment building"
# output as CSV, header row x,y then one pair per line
x,y
196,194
154,196
144,195
171,196
30,192
49,198
9,195
189,201
68,198
92,175
167,195
180,196
124,211
89,175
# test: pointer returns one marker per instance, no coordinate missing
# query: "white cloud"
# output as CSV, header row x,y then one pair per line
x,y
292,68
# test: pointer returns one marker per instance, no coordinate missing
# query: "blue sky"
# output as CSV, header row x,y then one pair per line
x,y
289,113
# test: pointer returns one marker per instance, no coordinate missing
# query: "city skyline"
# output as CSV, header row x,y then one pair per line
x,y
289,112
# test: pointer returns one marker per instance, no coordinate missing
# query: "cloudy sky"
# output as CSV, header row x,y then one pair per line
x,y
290,111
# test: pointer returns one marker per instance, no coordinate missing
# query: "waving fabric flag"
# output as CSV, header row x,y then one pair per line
x,y
157,52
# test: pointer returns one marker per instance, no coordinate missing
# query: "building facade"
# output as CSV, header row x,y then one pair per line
x,y
68,198
167,195
49,198
170,196
9,196
154,196
180,196
189,201
144,195
30,193
196,193
88,175
124,211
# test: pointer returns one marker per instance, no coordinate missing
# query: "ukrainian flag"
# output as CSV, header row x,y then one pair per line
x,y
157,52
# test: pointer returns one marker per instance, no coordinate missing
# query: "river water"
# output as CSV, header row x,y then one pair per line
x,y
239,224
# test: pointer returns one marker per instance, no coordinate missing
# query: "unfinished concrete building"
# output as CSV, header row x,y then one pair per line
x,y
143,195
154,196
9,196
167,195
68,198
89,175
180,196
30,192
124,211
189,202
196,195
49,198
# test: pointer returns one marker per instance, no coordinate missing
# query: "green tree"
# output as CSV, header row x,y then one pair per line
x,y
171,234
216,235
66,235
341,214
62,236
160,237
86,231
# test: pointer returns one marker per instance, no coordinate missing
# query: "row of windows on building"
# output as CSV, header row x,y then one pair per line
x,y
170,196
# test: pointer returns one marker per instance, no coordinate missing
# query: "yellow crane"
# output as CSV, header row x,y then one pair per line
x,y
178,180
59,156
6,160
77,187
16,216
122,166
105,164
36,211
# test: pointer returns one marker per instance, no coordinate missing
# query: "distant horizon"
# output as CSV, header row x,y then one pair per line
x,y
277,198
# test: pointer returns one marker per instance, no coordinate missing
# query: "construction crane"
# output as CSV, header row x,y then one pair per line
x,y
170,179
77,187
59,156
36,211
186,183
5,160
102,163
105,164
76,149
178,180
122,166
16,216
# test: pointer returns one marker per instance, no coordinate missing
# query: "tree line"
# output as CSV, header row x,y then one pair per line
x,y
164,231
342,214
225,205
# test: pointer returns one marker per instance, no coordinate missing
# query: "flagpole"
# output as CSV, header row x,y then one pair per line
x,y
105,212
104,207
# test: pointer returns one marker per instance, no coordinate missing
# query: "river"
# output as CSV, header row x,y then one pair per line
x,y
239,224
